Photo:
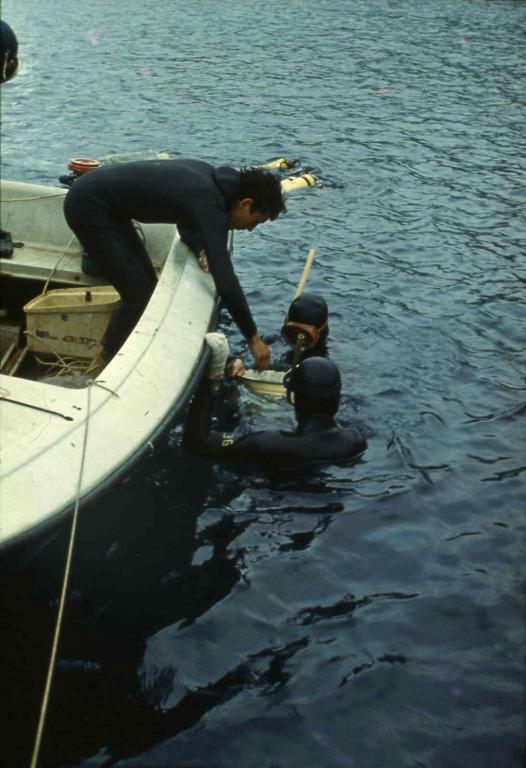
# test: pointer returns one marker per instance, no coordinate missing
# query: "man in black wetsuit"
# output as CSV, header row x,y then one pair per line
x,y
203,201
314,388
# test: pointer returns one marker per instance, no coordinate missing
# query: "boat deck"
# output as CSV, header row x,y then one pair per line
x,y
45,245
32,261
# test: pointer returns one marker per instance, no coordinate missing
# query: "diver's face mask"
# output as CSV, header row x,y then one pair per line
x,y
302,334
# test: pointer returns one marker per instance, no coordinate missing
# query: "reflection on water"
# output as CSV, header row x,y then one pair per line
x,y
359,615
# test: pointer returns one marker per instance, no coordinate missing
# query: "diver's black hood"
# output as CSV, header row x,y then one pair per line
x,y
228,181
308,308
8,52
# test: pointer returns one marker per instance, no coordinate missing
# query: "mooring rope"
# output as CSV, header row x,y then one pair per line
x,y
65,582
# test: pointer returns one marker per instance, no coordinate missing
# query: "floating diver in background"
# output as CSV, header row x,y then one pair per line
x,y
8,52
313,387
203,201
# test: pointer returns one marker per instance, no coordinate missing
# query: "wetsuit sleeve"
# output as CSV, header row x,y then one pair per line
x,y
198,437
213,227
191,238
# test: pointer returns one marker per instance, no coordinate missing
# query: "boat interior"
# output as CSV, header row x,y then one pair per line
x,y
53,314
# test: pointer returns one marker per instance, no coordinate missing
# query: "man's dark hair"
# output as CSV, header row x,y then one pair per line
x,y
264,188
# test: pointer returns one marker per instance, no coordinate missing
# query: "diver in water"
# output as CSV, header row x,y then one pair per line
x,y
305,330
303,334
313,387
203,201
8,52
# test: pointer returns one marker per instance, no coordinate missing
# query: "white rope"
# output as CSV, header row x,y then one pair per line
x,y
56,264
66,364
36,197
65,581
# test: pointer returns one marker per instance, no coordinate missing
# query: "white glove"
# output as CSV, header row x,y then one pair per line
x,y
219,352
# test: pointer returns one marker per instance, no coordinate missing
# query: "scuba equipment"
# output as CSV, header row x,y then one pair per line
x,y
280,164
314,386
299,182
305,325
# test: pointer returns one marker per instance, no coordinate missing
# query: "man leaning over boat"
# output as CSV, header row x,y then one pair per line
x,y
204,202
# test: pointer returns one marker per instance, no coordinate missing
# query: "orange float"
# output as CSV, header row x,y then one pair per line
x,y
82,164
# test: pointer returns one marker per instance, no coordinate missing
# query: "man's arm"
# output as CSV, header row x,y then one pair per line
x,y
191,238
197,436
213,225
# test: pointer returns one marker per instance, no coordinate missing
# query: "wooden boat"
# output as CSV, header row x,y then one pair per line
x,y
43,424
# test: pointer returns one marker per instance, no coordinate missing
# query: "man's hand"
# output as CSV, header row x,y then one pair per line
x,y
203,261
261,352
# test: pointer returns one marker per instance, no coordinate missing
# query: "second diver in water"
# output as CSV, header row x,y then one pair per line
x,y
314,388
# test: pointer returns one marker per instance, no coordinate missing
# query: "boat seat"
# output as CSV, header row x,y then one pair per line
x,y
33,261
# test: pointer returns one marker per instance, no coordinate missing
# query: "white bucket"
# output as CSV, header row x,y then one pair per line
x,y
70,321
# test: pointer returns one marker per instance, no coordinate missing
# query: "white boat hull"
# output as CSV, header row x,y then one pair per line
x,y
144,385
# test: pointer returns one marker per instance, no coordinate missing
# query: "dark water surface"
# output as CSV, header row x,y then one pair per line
x,y
366,616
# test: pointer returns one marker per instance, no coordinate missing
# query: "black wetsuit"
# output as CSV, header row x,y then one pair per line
x,y
100,207
316,440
